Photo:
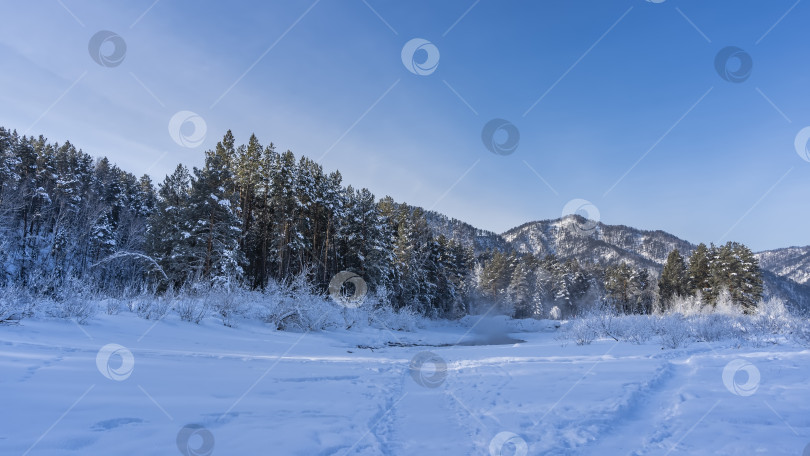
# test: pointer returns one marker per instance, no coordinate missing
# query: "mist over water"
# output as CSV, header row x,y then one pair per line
x,y
490,331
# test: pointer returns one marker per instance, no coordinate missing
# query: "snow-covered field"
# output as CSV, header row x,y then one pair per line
x,y
176,388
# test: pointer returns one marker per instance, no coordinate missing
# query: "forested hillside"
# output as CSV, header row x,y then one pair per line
x,y
573,237
250,215
253,216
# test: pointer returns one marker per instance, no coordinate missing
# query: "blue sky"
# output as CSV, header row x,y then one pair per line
x,y
592,87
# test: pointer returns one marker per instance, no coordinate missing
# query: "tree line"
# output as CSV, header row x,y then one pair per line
x,y
528,286
251,215
711,271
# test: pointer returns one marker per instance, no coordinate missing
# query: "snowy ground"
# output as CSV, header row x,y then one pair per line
x,y
252,390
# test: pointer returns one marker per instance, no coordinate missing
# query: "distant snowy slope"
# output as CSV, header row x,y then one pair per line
x,y
796,293
791,262
464,233
574,237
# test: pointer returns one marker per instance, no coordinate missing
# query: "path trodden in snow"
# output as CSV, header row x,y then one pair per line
x,y
122,385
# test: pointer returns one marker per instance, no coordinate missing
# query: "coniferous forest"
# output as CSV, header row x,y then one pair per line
x,y
253,215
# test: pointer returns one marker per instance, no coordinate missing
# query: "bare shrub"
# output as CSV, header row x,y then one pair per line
x,y
582,331
149,307
15,304
191,309
773,317
228,307
385,317
713,327
112,306
637,329
673,331
686,305
801,332
79,308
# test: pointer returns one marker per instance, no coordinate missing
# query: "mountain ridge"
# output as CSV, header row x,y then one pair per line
x,y
786,271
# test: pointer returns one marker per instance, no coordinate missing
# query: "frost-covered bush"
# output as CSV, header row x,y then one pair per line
x,y
673,330
294,306
307,313
149,307
686,305
606,322
773,317
603,321
689,320
191,309
227,305
265,307
583,331
711,327
636,329
385,317
16,303
71,301
224,301
79,308
801,331
112,306
724,305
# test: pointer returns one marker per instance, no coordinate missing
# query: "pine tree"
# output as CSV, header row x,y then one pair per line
x,y
259,238
497,274
619,287
722,268
643,293
520,288
247,176
735,269
168,237
571,286
674,278
148,197
455,264
749,290
629,290
699,273
366,246
284,209
215,230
